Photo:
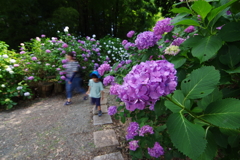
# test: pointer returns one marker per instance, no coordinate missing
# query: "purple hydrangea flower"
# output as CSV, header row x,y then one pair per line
x,y
61,73
128,61
63,77
108,80
189,29
34,58
16,65
178,41
58,69
132,130
103,68
64,66
156,151
163,26
146,83
30,78
64,61
128,45
22,52
64,45
124,42
112,110
229,12
146,40
145,129
130,34
133,145
48,51
85,59
114,89
43,35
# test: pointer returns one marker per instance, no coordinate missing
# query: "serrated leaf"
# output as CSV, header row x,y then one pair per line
x,y
179,17
202,8
186,136
177,98
181,10
211,149
188,22
178,61
206,48
223,113
231,56
200,83
230,32
214,96
217,10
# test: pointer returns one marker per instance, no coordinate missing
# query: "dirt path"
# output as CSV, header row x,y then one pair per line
x,y
48,130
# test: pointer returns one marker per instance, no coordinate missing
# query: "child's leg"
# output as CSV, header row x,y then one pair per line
x,y
98,103
68,91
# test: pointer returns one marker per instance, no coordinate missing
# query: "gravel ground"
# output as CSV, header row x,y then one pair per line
x,y
46,129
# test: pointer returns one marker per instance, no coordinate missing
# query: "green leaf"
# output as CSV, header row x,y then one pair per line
x,y
229,93
223,113
200,83
231,56
159,108
197,110
230,32
181,10
216,11
214,96
211,149
202,8
192,41
232,71
234,141
179,17
188,22
177,98
186,136
219,138
206,48
161,128
178,61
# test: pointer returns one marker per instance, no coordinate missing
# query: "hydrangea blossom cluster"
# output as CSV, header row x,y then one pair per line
x,y
114,89
112,110
156,151
178,41
189,29
124,42
146,82
128,45
103,68
146,39
133,145
108,80
172,50
145,129
163,26
130,34
132,130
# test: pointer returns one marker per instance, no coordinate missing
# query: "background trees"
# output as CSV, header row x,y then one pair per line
x,y
20,20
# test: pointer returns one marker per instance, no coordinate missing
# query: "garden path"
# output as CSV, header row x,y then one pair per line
x,y
45,129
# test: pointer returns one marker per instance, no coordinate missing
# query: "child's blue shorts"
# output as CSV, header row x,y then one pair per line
x,y
96,101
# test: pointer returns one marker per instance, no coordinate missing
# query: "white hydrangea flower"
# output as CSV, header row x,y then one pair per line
x,y
109,52
22,44
26,94
19,87
11,72
3,85
8,69
58,31
107,46
94,36
66,29
5,56
12,60
172,50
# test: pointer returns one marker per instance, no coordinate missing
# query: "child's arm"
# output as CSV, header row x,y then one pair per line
x,y
102,94
88,91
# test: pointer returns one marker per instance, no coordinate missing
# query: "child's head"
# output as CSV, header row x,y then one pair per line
x,y
69,56
95,78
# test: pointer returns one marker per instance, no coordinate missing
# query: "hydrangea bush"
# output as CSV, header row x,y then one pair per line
x,y
181,89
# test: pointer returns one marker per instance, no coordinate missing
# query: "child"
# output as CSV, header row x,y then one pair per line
x,y
73,78
95,91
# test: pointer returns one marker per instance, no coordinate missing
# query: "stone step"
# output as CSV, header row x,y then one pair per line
x,y
104,119
104,109
107,91
104,101
105,138
111,156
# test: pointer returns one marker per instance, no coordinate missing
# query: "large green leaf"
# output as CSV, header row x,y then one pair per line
x,y
179,17
211,149
178,100
224,113
202,8
231,56
159,107
192,41
216,11
178,61
186,136
189,22
200,83
230,32
214,96
181,10
206,48
234,140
